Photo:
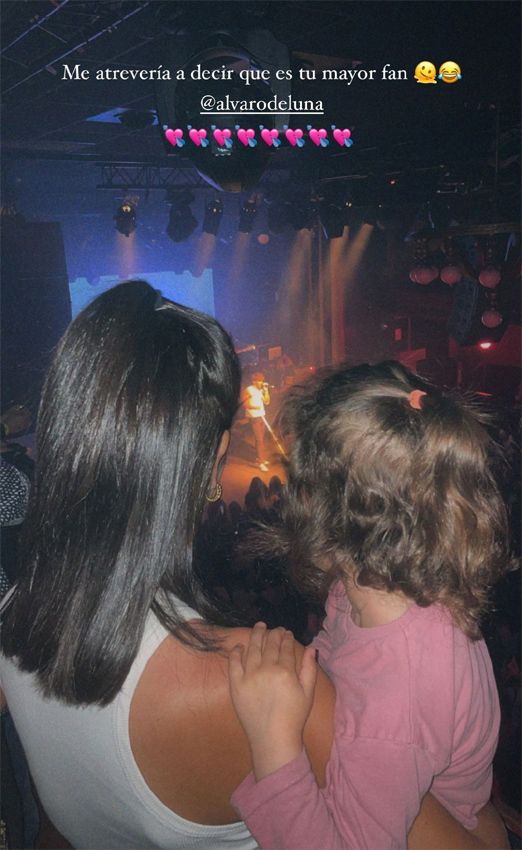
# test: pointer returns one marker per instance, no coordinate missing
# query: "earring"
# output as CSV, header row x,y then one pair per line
x,y
216,496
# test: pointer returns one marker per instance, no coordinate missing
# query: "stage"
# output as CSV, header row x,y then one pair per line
x,y
241,467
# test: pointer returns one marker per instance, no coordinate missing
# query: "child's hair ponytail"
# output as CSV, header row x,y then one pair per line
x,y
390,479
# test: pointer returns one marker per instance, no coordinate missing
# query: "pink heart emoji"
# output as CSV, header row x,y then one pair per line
x,y
314,136
173,135
243,136
322,133
195,137
341,135
219,137
267,137
290,135
250,133
298,133
274,133
226,133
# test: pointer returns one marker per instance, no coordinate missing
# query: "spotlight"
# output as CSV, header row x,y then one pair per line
x,y
423,271
335,208
491,318
489,277
125,218
486,345
450,275
424,274
247,215
182,222
213,216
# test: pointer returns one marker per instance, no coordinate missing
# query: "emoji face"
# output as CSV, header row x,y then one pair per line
x,y
449,72
425,72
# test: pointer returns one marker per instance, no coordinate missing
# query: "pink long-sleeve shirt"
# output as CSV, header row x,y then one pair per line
x,y
416,710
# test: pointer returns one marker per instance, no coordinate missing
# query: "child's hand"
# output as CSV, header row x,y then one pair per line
x,y
271,696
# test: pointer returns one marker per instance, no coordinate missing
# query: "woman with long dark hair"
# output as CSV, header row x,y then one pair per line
x,y
113,652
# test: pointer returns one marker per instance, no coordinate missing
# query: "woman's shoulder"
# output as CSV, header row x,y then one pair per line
x,y
185,735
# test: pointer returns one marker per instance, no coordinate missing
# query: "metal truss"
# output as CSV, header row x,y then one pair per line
x,y
59,38
150,177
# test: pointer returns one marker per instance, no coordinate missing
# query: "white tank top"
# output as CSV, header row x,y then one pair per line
x,y
82,764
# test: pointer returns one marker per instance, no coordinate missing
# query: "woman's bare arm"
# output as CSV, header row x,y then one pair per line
x,y
435,829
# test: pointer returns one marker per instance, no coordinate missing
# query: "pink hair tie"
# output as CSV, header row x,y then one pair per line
x,y
414,399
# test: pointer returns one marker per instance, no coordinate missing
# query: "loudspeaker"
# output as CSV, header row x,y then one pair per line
x,y
214,69
35,305
464,323
463,313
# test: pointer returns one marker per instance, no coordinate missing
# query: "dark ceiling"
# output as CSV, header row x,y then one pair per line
x,y
469,132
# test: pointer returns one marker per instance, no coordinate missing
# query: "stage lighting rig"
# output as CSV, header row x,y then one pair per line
x,y
213,216
182,222
125,218
335,205
247,215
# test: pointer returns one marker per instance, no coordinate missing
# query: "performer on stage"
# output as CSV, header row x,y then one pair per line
x,y
255,397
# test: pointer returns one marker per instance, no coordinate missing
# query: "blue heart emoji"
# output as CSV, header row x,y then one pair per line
x,y
228,143
252,143
324,143
276,143
300,143
180,142
204,143
348,143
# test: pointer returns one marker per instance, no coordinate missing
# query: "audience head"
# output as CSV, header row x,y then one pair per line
x,y
389,483
275,488
234,512
133,422
16,420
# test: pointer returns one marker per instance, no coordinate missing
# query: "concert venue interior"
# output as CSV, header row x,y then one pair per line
x,y
399,239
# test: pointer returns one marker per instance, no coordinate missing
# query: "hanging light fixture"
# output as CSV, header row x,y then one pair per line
x,y
492,317
490,276
213,216
423,272
182,222
247,215
451,273
125,218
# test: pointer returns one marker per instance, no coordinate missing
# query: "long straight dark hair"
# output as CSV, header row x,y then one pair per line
x,y
136,400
